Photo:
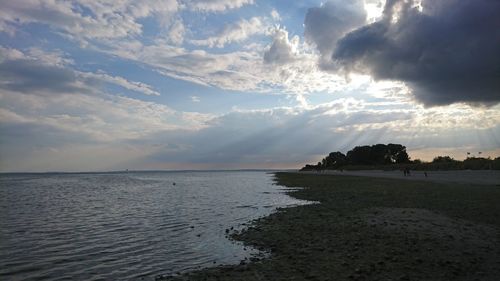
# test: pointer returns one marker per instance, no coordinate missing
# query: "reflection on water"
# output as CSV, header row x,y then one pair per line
x,y
125,226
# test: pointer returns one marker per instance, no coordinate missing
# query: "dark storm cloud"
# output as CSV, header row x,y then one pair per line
x,y
33,76
324,25
448,53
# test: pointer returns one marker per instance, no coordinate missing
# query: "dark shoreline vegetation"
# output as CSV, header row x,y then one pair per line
x,y
372,229
394,157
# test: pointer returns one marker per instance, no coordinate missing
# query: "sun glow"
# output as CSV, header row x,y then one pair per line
x,y
374,9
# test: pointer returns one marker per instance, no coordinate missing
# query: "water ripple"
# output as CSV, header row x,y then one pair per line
x,y
126,226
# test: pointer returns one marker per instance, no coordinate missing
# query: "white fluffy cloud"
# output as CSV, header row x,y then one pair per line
x,y
235,32
120,81
275,15
216,5
240,70
85,19
282,50
176,32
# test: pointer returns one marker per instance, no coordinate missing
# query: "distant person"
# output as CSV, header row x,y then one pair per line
x,y
406,171
425,174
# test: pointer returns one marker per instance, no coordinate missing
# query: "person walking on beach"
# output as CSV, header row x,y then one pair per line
x,y
406,171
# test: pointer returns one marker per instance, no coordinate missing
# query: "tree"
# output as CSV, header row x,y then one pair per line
x,y
360,155
378,154
397,153
402,157
443,159
334,160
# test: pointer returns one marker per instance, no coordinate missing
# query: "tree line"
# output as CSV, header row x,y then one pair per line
x,y
394,156
378,154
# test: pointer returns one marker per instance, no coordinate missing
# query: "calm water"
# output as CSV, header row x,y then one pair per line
x,y
126,226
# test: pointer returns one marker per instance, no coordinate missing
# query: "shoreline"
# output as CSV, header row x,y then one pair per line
x,y
372,229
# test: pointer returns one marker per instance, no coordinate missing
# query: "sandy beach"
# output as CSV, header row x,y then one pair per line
x,y
482,177
373,228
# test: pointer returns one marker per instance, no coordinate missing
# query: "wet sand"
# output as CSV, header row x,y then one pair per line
x,y
373,229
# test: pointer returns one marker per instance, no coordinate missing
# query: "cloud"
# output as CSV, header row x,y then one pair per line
x,y
51,114
226,70
216,5
241,70
97,118
37,88
99,126
296,135
57,123
7,29
41,72
446,51
54,57
282,50
324,25
235,32
176,32
84,19
29,76
275,15
168,51
120,81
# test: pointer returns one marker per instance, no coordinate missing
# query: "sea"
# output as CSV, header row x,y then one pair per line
x,y
128,225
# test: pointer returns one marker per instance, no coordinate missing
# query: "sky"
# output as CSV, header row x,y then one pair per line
x,y
99,85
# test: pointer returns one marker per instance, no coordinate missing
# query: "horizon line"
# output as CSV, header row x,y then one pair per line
x,y
145,171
